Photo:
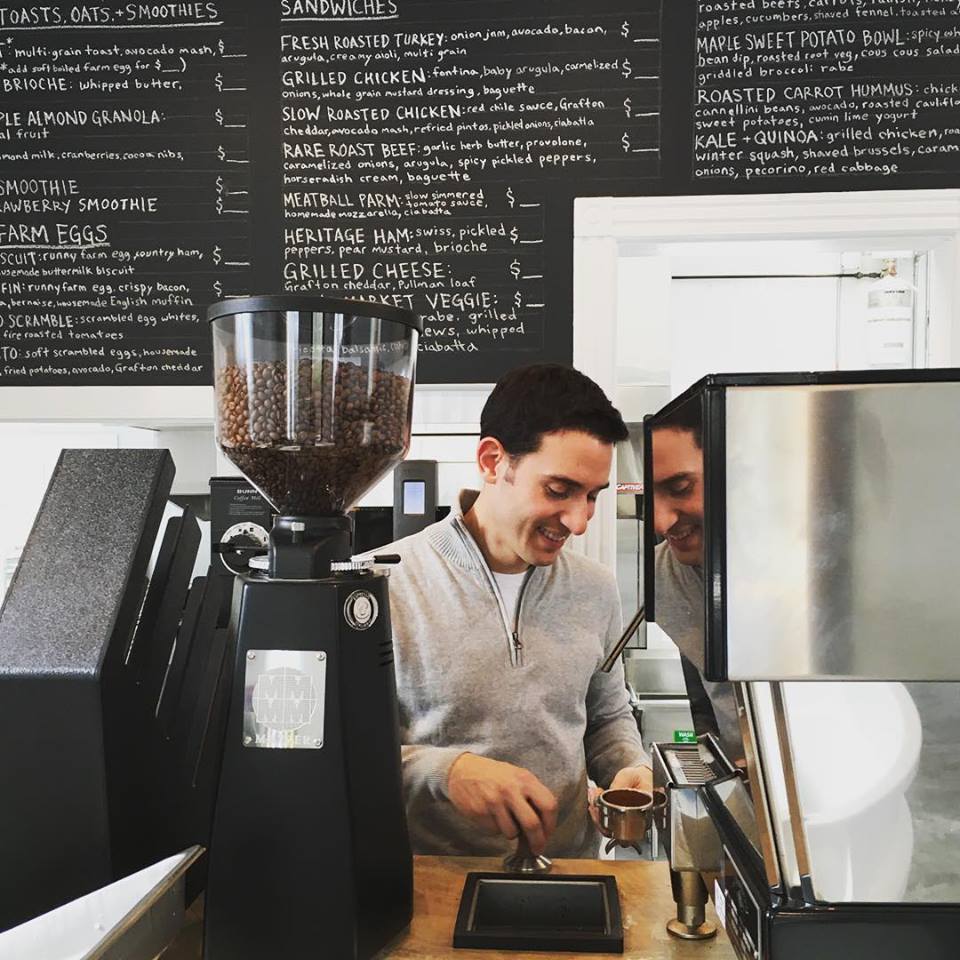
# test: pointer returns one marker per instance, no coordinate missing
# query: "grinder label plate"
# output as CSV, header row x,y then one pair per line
x,y
284,693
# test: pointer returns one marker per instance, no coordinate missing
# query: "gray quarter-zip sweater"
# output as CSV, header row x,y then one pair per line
x,y
528,692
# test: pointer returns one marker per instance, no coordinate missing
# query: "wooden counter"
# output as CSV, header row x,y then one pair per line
x,y
645,903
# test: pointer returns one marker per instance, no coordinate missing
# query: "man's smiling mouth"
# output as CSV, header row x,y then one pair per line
x,y
552,535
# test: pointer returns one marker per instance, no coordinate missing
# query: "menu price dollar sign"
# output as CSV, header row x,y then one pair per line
x,y
515,269
625,142
218,82
514,234
627,69
217,255
517,299
218,115
627,106
221,46
218,289
625,29
510,197
221,153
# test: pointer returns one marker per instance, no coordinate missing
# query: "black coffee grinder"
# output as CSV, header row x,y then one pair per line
x,y
310,855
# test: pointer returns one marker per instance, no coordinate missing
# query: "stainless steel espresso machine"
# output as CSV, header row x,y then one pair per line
x,y
802,534
309,854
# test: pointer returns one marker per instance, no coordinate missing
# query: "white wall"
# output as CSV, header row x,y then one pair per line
x,y
792,313
744,326
643,338
153,407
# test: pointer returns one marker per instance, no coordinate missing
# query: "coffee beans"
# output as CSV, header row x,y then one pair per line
x,y
317,448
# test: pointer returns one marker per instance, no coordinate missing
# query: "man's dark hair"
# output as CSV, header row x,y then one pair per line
x,y
687,417
543,398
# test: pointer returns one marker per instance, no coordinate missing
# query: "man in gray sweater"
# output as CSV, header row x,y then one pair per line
x,y
500,633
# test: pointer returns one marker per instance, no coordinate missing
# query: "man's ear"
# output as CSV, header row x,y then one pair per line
x,y
492,459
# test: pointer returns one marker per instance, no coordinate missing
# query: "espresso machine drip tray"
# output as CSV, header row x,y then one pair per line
x,y
687,765
576,913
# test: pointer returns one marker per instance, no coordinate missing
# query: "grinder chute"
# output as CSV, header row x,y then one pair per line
x,y
310,853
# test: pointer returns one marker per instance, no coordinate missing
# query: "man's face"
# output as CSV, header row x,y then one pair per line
x,y
544,497
678,493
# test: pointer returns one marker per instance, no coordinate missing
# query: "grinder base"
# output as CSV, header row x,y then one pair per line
x,y
310,854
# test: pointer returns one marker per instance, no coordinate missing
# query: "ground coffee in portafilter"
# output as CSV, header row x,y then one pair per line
x,y
345,428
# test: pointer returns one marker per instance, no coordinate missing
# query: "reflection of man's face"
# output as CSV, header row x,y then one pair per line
x,y
678,493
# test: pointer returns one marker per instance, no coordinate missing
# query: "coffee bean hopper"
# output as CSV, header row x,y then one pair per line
x,y
310,854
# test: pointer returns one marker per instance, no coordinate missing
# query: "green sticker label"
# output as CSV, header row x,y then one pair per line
x,y
684,736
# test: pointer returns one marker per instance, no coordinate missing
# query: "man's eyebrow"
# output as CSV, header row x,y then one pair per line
x,y
558,478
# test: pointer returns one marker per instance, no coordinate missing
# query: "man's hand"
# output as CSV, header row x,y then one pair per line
x,y
502,798
634,778
629,778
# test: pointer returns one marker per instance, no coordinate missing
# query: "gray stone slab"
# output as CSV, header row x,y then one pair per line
x,y
100,513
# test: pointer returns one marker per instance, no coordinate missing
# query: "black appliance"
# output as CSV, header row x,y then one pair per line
x,y
240,522
310,854
414,496
111,686
373,527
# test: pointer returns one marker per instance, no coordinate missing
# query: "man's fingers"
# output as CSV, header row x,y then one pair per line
x,y
545,803
505,822
502,820
502,798
528,819
633,778
621,782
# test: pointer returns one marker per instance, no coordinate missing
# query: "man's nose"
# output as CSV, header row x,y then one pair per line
x,y
663,517
576,517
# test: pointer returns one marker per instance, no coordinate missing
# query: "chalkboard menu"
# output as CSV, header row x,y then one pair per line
x,y
158,156
155,157
430,152
123,180
797,89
